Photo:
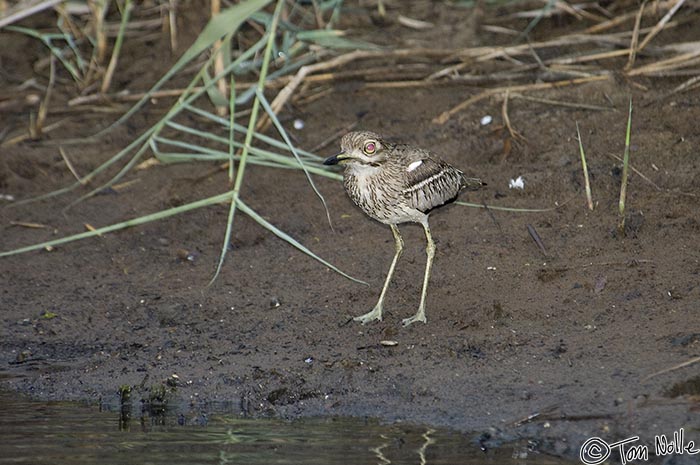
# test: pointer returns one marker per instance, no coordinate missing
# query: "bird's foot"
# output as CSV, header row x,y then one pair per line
x,y
374,314
420,316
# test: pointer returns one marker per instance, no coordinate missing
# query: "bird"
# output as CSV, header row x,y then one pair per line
x,y
396,183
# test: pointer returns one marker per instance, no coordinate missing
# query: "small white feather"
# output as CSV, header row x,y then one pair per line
x,y
414,165
518,183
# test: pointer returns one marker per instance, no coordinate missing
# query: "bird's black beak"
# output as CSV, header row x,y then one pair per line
x,y
334,159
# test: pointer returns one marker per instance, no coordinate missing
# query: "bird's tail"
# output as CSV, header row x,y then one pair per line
x,y
472,184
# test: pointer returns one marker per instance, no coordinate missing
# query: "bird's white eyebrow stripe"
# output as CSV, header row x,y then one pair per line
x,y
414,165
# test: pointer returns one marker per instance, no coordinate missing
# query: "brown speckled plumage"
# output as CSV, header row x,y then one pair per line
x,y
397,183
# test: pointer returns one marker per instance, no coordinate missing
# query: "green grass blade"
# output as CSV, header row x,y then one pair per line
x,y
176,211
180,105
282,235
224,23
233,199
259,136
125,224
249,134
535,21
215,96
589,197
625,172
90,176
122,172
509,209
283,161
231,115
46,40
283,133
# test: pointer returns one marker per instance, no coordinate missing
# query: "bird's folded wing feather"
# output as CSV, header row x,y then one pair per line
x,y
429,183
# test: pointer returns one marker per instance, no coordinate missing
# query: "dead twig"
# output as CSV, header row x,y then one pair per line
x,y
285,94
635,37
609,24
687,85
576,105
629,263
305,99
673,368
515,135
20,11
70,166
446,115
172,24
29,225
217,48
328,141
545,411
35,130
661,24
536,237
636,171
320,23
679,61
22,137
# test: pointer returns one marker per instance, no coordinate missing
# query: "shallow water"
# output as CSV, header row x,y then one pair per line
x,y
59,433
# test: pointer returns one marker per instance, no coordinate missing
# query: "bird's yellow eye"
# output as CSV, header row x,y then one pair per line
x,y
370,147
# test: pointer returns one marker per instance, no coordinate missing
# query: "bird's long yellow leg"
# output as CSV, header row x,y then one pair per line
x,y
430,251
376,312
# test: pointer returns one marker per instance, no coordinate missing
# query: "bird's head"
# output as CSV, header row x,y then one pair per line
x,y
363,147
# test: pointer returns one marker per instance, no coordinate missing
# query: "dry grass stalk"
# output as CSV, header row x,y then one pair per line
x,y
446,115
591,57
127,97
414,23
584,165
285,94
691,83
20,11
673,368
515,135
500,30
637,172
172,24
99,11
116,50
221,110
679,61
609,24
70,166
661,24
35,130
635,37
26,224
337,135
318,14
307,98
28,136
576,105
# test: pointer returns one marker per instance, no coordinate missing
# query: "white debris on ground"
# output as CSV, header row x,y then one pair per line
x,y
517,183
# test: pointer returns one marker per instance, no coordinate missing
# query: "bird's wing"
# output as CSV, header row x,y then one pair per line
x,y
429,183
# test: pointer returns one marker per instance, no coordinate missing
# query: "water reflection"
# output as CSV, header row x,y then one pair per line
x,y
60,433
